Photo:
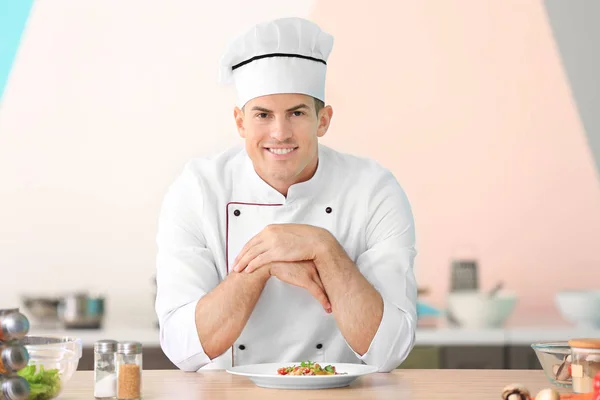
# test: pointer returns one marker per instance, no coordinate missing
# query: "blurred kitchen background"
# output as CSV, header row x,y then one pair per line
x,y
487,112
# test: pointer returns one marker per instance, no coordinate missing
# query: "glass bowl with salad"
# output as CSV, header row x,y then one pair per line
x,y
52,362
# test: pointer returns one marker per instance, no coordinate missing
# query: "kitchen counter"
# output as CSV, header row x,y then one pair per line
x,y
505,336
435,348
147,336
441,336
399,384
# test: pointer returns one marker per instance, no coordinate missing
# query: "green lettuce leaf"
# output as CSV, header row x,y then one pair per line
x,y
44,383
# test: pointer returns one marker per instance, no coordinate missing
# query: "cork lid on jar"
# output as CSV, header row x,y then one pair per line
x,y
585,343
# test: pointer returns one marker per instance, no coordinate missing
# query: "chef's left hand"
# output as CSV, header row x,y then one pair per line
x,y
279,242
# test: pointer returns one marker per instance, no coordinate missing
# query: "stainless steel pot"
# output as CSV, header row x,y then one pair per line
x,y
81,311
43,311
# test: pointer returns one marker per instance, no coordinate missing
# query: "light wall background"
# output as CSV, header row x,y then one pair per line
x,y
467,102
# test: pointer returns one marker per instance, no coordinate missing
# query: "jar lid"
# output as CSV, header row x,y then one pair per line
x,y
16,388
585,343
15,356
105,346
15,325
130,347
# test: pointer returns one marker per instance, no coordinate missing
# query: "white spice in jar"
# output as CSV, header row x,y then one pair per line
x,y
106,387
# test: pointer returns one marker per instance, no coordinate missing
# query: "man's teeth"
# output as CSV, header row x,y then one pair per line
x,y
281,151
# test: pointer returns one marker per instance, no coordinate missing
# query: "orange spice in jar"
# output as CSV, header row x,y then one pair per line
x,y
129,371
129,382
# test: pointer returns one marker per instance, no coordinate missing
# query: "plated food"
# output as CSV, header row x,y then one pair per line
x,y
308,368
300,375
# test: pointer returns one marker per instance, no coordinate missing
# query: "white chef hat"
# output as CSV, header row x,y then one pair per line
x,y
286,55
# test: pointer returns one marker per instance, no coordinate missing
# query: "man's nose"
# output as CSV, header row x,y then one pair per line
x,y
281,129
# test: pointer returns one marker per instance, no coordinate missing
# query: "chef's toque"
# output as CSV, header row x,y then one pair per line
x,y
286,55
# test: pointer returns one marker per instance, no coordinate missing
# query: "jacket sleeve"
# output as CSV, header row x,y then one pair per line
x,y
388,265
185,272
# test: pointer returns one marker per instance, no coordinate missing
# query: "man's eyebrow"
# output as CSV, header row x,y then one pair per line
x,y
261,109
298,107
266,110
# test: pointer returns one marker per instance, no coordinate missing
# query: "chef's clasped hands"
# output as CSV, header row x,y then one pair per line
x,y
288,251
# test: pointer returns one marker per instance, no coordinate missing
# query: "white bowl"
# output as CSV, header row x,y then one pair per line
x,y
580,307
474,309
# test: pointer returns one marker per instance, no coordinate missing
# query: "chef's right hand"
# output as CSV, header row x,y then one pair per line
x,y
302,274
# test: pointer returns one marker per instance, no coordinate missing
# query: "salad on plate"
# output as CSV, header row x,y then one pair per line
x,y
308,368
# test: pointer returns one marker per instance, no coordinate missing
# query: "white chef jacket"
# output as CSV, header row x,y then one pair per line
x,y
217,204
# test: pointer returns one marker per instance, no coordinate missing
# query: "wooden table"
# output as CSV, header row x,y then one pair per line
x,y
398,385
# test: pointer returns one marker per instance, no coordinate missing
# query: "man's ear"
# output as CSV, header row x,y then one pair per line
x,y
238,115
325,116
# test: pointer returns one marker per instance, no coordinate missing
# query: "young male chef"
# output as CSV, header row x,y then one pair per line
x,y
284,250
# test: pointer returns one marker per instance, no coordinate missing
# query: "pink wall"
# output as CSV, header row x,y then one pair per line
x,y
467,103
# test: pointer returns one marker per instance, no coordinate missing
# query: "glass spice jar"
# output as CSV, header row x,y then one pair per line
x,y
13,324
14,388
105,369
129,371
13,357
585,354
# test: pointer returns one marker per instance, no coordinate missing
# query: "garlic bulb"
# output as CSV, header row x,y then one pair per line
x,y
515,391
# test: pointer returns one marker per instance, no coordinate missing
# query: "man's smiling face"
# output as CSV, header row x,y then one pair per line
x,y
281,133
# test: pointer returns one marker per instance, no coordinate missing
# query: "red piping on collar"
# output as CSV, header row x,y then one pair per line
x,y
227,243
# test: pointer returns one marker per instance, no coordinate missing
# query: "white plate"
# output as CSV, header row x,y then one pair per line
x,y
265,375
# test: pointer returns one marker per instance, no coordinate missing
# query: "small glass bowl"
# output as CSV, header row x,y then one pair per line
x,y
57,356
552,355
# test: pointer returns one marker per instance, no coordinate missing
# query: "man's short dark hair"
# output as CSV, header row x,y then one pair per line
x,y
319,105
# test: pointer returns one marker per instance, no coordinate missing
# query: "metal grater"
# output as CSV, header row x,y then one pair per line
x,y
464,275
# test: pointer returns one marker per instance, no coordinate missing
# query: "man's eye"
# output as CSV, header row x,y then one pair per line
x,y
262,115
298,113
